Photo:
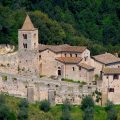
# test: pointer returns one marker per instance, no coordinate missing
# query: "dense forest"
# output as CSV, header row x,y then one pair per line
x,y
92,23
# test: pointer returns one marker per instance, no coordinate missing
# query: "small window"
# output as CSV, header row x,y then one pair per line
x,y
79,68
39,57
73,68
25,36
24,45
34,35
59,68
111,89
115,76
65,54
70,55
107,77
76,55
85,58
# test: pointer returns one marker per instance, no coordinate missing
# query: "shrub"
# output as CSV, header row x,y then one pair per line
x,y
111,111
66,111
23,103
109,105
87,102
66,115
66,105
2,99
88,114
5,113
44,105
23,114
112,114
23,110
4,78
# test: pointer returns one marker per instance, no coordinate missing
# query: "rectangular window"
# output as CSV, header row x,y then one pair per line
x,y
25,36
65,54
115,76
79,68
24,45
70,55
76,55
73,68
39,57
111,89
86,58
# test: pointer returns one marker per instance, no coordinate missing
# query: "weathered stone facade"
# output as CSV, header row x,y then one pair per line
x,y
21,71
37,89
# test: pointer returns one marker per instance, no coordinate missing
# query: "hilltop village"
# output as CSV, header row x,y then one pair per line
x,y
57,72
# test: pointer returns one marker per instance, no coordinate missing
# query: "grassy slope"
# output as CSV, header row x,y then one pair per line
x,y
36,114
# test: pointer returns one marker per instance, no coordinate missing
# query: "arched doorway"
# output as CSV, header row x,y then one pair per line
x,y
59,71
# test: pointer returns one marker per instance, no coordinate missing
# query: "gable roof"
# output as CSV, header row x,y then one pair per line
x,y
86,66
28,25
69,60
62,48
106,58
111,70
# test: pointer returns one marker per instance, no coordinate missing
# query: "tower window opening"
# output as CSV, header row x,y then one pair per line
x,y
24,45
25,36
34,35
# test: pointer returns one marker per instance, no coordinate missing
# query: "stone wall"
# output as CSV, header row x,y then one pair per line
x,y
9,62
37,89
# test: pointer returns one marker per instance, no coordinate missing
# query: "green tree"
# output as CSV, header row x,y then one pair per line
x,y
44,105
23,110
88,114
66,108
111,111
87,102
5,112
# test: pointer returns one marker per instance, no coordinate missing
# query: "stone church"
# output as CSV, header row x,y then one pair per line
x,y
34,60
64,61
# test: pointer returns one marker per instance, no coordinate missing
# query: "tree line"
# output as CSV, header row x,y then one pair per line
x,y
87,106
92,23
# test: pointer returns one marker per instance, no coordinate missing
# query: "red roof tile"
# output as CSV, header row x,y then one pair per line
x,y
69,60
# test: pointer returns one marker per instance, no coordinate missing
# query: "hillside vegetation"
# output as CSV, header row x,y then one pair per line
x,y
34,113
92,23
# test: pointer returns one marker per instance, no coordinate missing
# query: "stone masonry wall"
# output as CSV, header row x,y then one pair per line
x,y
37,89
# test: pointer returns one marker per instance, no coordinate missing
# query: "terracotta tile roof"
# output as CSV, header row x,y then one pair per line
x,y
86,66
106,58
28,25
69,60
111,70
62,48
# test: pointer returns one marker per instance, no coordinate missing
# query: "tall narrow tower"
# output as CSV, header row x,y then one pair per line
x,y
28,48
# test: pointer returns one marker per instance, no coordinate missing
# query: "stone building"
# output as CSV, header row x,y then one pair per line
x,y
25,67
28,48
111,85
103,61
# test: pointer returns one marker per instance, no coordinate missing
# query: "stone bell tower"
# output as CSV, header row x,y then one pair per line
x,y
28,48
